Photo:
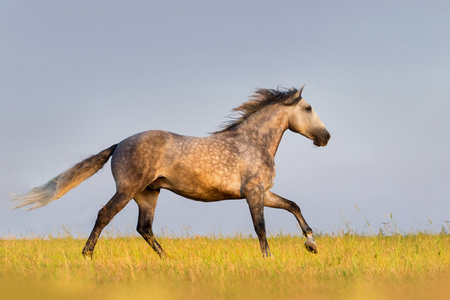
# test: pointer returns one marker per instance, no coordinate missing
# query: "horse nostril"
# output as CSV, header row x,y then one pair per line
x,y
328,137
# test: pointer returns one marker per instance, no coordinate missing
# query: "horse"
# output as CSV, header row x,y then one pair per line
x,y
235,162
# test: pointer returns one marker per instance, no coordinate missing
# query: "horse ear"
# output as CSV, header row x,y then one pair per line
x,y
300,91
298,94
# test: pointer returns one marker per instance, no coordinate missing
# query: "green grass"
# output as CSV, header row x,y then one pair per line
x,y
346,267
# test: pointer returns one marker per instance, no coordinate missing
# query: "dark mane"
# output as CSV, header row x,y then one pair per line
x,y
260,99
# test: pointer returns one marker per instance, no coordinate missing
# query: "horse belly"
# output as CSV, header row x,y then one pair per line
x,y
202,186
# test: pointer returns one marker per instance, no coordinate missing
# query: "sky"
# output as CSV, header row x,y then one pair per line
x,y
79,76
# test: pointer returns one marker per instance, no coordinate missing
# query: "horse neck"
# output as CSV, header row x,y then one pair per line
x,y
265,128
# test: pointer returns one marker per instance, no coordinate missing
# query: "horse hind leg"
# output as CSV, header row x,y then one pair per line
x,y
146,200
105,215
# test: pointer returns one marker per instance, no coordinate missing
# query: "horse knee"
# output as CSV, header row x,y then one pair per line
x,y
293,207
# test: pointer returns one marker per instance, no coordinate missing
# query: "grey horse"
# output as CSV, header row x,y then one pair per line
x,y
236,162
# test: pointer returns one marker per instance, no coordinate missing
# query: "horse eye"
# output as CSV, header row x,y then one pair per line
x,y
308,108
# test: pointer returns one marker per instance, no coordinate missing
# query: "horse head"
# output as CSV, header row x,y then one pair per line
x,y
304,120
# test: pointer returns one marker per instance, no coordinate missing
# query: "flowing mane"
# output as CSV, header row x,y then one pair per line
x,y
260,99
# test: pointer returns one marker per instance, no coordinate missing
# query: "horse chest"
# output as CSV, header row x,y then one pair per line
x,y
261,170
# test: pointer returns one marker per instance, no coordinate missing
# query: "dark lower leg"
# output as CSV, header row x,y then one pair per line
x,y
260,228
150,239
145,230
105,215
263,244
256,206
147,204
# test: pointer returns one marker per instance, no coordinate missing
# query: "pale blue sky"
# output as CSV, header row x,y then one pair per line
x,y
79,76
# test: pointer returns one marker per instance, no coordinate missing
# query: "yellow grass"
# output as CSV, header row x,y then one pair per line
x,y
346,267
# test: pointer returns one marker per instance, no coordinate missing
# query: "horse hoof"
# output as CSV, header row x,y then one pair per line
x,y
87,254
267,255
311,246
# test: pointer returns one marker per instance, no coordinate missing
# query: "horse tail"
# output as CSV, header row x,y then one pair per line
x,y
64,182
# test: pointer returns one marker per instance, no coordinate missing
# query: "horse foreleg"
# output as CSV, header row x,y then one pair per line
x,y
146,201
256,204
105,215
275,201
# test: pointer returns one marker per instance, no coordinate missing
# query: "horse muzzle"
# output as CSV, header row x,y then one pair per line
x,y
321,137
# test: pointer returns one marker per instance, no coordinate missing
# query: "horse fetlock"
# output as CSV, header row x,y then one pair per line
x,y
162,254
87,253
158,249
266,252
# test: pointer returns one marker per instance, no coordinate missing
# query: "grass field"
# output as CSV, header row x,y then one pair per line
x,y
413,266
